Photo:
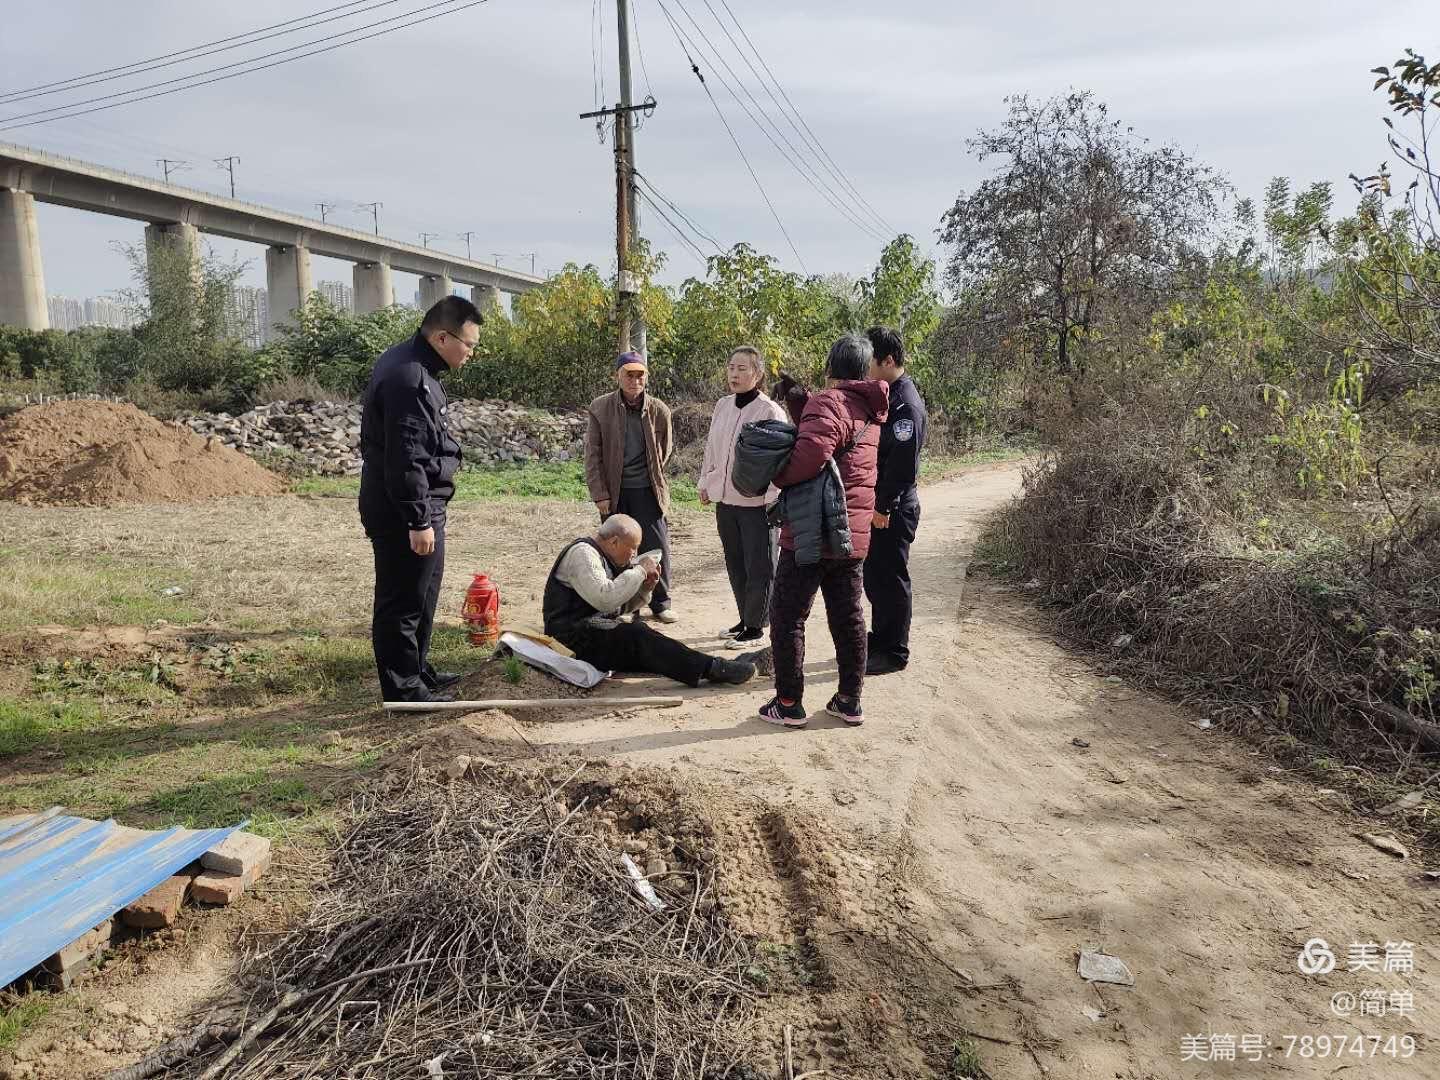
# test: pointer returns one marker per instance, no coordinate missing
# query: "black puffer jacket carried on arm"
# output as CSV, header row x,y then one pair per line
x,y
761,451
409,458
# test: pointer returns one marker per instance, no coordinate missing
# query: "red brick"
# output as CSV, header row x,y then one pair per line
x,y
76,957
159,907
213,887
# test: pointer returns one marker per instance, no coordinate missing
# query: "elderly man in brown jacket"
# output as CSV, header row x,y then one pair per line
x,y
627,444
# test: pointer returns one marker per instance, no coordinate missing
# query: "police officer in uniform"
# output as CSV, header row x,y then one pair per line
x,y
406,480
897,508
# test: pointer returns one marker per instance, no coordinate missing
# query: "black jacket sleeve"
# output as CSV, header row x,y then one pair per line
x,y
903,436
408,428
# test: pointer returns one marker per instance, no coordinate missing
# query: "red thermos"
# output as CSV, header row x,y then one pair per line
x,y
481,611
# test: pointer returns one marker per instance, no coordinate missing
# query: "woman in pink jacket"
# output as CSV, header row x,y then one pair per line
x,y
745,534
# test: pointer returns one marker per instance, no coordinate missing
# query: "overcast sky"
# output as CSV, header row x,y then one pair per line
x,y
469,122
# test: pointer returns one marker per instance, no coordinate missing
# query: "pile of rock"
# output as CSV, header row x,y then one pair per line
x,y
324,436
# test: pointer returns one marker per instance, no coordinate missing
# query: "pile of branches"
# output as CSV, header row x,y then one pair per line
x,y
480,928
1128,539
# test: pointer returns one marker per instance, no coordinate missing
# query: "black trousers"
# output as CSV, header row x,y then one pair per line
x,y
750,549
887,583
838,580
407,588
641,504
637,647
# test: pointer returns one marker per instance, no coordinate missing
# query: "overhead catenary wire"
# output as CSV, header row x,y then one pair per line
x,y
694,67
807,135
6,123
142,66
795,158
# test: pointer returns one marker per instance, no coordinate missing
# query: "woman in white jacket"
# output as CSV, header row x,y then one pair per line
x,y
745,534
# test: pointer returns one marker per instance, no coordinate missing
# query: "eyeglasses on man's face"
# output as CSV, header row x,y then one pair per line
x,y
469,346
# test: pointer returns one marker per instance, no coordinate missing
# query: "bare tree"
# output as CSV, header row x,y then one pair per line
x,y
1084,225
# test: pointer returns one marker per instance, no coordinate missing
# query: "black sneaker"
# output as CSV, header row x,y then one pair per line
x,y
735,672
778,713
442,680
849,711
751,635
737,628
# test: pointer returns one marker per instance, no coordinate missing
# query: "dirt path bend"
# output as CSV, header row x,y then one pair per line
x,y
985,830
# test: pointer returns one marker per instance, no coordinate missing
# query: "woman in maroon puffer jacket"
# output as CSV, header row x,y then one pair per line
x,y
842,421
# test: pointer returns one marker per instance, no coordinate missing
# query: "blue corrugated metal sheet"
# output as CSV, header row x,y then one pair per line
x,y
61,876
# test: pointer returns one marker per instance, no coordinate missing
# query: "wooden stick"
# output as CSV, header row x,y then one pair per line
x,y
533,703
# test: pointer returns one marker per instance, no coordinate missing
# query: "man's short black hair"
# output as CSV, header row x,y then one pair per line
x,y
850,358
886,343
450,314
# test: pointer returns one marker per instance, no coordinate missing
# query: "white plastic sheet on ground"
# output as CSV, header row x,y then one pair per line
x,y
574,671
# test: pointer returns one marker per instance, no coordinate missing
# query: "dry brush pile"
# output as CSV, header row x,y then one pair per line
x,y
1334,643
487,928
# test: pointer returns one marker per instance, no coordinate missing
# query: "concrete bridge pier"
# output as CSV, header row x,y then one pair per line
x,y
287,283
22,279
433,289
487,299
374,288
178,237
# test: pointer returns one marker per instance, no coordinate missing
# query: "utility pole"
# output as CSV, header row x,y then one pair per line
x,y
170,165
627,120
229,163
466,237
531,254
627,216
426,237
495,258
324,208
374,208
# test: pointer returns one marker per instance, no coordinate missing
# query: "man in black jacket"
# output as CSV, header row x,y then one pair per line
x,y
897,508
406,480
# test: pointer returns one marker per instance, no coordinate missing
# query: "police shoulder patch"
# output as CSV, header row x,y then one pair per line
x,y
904,430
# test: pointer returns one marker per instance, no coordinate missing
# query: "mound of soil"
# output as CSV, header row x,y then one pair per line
x,y
96,453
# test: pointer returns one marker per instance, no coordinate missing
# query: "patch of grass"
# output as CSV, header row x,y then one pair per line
x,y
27,723
964,1063
563,481
514,670
24,1013
226,799
936,467
39,588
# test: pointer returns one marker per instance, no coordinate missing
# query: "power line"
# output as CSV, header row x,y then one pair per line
x,y
795,157
696,229
676,230
640,49
5,124
792,156
166,56
730,131
142,66
807,135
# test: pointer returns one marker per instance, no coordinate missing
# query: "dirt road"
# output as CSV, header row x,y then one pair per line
x,y
972,818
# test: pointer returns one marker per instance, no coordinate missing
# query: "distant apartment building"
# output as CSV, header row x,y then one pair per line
x,y
69,313
250,315
339,294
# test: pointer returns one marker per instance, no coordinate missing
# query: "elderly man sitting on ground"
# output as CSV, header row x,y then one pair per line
x,y
592,590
